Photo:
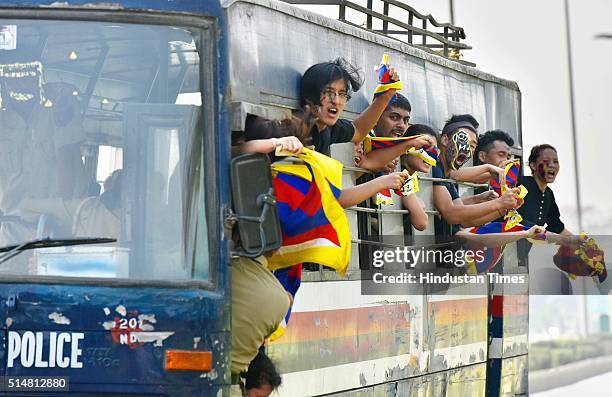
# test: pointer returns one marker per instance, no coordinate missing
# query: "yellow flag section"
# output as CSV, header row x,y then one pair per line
x,y
314,226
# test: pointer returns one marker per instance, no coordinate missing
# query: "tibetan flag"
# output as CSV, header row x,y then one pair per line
x,y
410,186
509,177
587,260
384,79
314,226
428,154
496,227
291,279
372,143
491,255
384,197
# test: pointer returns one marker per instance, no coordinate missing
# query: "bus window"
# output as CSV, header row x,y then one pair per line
x,y
101,136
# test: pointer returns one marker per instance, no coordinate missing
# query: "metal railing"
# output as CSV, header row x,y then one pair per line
x,y
417,29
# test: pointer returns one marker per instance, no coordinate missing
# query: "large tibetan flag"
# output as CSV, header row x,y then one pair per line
x,y
384,79
490,255
291,279
587,260
314,226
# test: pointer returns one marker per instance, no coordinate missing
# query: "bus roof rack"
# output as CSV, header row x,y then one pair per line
x,y
415,29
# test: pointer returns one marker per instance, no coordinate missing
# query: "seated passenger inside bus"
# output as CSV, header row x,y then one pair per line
x,y
94,216
41,130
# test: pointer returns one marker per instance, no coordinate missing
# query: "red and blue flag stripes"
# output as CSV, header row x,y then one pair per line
x,y
384,78
510,176
574,264
490,255
301,213
313,223
291,279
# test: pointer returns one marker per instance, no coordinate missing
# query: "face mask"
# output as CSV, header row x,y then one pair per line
x,y
460,145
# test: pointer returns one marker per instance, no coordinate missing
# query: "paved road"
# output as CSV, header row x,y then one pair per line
x,y
597,386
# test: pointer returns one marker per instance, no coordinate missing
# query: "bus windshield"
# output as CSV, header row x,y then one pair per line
x,y
100,129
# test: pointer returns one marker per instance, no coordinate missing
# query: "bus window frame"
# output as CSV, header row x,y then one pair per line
x,y
207,28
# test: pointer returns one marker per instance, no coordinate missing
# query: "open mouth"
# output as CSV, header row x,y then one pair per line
x,y
397,133
461,159
333,112
551,174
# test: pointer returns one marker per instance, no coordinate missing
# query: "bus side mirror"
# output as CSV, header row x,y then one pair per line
x,y
255,211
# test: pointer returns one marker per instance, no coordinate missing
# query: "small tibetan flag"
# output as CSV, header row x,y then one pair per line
x,y
384,79
428,154
372,143
509,177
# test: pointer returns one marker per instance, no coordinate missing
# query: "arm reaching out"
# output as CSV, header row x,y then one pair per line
x,y
356,194
417,215
265,146
377,160
498,239
477,174
455,212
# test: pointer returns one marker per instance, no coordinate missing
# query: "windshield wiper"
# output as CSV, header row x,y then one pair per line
x,y
16,249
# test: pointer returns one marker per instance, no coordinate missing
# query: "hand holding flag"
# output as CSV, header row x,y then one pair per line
x,y
421,141
387,78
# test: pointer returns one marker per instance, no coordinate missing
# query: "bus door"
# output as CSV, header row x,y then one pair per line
x,y
103,170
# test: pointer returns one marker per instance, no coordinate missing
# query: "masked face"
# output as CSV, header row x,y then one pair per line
x,y
460,147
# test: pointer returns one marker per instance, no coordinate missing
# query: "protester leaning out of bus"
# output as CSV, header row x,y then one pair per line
x,y
326,88
393,123
263,135
540,207
457,144
416,206
494,149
